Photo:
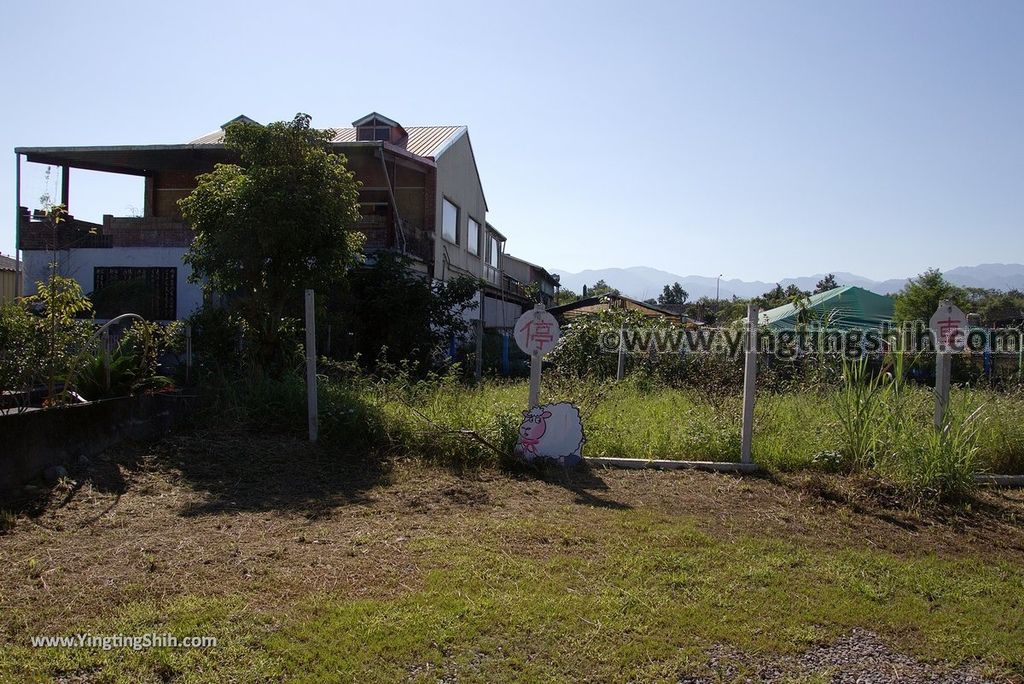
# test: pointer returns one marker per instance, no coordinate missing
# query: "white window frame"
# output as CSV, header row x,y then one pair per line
x,y
473,236
493,250
445,203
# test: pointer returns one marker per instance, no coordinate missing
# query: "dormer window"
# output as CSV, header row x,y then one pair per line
x,y
376,128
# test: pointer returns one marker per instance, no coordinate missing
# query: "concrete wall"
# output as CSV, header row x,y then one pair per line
x,y
79,264
36,440
8,285
457,181
500,314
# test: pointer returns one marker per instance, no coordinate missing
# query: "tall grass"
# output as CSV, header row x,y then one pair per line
x,y
871,421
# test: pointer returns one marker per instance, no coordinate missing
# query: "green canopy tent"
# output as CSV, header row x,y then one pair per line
x,y
842,308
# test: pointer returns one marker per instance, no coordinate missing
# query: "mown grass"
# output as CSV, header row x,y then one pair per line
x,y
604,595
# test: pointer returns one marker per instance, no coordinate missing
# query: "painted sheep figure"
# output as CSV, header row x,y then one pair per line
x,y
552,431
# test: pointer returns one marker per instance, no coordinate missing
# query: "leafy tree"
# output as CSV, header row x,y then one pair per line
x,y
599,289
392,313
919,298
825,284
280,221
674,294
565,296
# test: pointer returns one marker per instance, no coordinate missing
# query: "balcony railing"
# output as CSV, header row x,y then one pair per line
x,y
381,234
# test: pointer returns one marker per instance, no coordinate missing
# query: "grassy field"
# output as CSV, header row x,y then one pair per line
x,y
308,565
636,420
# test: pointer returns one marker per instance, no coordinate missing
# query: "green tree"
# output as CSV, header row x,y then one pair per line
x,y
599,289
919,298
393,314
825,284
674,294
565,296
280,221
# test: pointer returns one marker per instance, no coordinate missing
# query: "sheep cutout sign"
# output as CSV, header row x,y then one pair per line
x,y
553,432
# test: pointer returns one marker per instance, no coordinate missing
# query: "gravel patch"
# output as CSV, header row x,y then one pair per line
x,y
860,657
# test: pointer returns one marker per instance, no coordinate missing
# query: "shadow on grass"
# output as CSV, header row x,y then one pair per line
x,y
242,471
584,482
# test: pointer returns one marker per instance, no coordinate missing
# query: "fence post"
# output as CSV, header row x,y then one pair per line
x,y
943,371
620,371
311,406
188,354
749,379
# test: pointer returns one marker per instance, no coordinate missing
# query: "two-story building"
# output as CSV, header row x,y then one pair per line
x,y
421,195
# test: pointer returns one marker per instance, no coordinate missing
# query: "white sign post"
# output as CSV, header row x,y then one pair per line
x,y
536,334
949,326
311,407
749,380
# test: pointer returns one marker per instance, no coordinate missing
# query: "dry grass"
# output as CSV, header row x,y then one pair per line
x,y
264,525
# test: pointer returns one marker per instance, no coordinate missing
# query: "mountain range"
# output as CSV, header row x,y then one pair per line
x,y
642,282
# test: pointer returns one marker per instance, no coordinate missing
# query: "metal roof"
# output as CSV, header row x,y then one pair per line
x,y
424,141
7,263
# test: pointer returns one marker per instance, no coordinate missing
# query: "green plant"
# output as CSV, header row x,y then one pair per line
x,y
858,406
280,221
7,521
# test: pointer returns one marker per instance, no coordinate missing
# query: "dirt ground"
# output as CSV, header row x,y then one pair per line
x,y
220,513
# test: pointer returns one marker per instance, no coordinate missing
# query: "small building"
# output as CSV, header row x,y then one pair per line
x,y
590,305
842,308
9,273
524,275
421,195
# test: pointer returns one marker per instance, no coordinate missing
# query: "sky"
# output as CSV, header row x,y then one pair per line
x,y
760,140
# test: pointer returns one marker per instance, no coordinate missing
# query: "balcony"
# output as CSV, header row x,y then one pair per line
x,y
37,232
410,240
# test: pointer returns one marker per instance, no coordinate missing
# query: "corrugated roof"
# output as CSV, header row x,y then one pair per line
x,y
7,263
424,141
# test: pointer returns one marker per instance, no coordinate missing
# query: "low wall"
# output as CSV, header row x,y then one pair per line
x,y
33,441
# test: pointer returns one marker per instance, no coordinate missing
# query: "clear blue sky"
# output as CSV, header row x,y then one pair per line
x,y
756,139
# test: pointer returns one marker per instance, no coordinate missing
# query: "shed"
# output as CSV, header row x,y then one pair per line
x,y
841,308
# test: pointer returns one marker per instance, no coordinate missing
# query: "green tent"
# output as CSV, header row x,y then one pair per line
x,y
843,308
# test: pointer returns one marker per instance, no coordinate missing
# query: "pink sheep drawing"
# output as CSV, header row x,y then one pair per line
x,y
532,429
551,431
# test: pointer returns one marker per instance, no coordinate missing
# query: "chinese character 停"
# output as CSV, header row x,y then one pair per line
x,y
538,332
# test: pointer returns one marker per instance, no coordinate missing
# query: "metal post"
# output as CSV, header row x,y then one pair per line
x,y
17,225
311,367
749,378
620,371
65,187
506,365
535,364
188,354
478,371
106,359
943,370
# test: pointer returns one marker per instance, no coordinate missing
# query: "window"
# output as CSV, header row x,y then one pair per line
x,y
374,129
492,251
450,222
148,291
473,237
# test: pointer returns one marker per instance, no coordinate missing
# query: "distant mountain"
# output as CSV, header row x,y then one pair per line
x,y
642,282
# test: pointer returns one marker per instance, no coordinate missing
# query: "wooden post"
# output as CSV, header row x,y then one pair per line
x,y
749,379
535,363
620,371
314,425
943,371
